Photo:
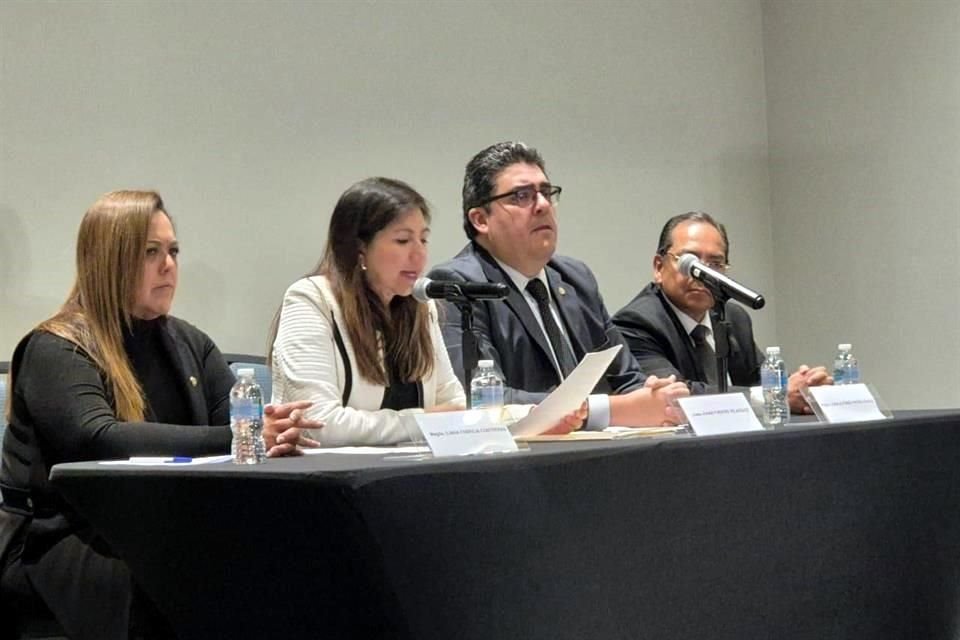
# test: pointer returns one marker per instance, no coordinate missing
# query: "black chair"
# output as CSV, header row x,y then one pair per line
x,y
4,368
244,357
261,372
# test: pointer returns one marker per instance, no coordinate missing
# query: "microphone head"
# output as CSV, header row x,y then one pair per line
x,y
686,262
420,289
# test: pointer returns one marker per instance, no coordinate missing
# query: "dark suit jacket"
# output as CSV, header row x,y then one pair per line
x,y
511,337
662,346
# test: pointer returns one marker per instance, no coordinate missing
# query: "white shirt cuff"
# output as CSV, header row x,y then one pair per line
x,y
599,407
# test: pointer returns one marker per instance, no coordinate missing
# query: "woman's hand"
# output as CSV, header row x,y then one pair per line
x,y
282,428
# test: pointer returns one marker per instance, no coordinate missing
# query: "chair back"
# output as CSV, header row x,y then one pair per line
x,y
3,400
3,403
261,372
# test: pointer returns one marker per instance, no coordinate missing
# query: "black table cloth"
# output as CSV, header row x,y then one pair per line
x,y
810,532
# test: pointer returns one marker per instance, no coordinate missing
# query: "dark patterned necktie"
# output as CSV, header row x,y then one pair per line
x,y
565,358
705,353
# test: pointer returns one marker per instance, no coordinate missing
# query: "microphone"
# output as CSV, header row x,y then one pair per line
x,y
690,265
425,288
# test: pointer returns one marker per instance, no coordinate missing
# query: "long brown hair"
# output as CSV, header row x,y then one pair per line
x,y
402,332
111,245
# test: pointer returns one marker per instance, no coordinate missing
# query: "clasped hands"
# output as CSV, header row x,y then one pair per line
x,y
283,428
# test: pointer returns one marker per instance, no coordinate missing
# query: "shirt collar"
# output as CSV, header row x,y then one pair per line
x,y
521,280
689,324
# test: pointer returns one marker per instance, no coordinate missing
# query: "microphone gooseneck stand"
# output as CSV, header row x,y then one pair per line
x,y
721,334
469,340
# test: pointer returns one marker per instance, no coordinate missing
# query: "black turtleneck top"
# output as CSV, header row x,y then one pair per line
x,y
155,368
62,406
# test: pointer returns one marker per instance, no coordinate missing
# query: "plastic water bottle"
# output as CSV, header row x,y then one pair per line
x,y
846,369
486,388
246,420
773,378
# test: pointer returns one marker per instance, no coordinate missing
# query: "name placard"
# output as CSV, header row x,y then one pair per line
x,y
461,433
720,413
846,403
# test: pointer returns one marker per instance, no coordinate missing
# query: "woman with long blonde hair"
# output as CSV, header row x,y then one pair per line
x,y
110,375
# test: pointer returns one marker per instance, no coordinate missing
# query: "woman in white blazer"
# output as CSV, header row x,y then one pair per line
x,y
351,339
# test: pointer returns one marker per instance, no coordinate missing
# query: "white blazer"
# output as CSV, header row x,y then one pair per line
x,y
306,365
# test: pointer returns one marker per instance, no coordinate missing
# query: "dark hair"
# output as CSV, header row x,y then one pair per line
x,y
480,177
666,235
363,210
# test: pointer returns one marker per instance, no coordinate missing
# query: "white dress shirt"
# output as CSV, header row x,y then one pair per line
x,y
689,324
598,404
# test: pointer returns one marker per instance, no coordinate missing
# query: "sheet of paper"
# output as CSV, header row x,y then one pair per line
x,y
610,433
720,413
459,433
168,461
367,451
846,403
568,397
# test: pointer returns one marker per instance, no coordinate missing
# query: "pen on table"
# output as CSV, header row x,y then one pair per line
x,y
154,460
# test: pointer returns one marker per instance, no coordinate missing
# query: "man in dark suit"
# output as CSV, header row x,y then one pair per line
x,y
669,324
553,314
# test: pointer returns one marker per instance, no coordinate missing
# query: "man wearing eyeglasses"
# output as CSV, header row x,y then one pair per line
x,y
553,314
669,324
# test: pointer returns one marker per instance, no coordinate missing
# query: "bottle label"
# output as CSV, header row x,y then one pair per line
x,y
486,397
768,377
244,409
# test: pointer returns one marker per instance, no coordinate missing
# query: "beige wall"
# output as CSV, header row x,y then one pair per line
x,y
864,123
251,118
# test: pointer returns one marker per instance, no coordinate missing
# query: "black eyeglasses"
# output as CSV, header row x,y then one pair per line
x,y
526,196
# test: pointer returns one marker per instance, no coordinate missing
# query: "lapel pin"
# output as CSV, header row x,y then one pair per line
x,y
561,291
193,381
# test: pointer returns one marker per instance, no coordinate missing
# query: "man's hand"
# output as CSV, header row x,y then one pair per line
x,y
570,422
805,376
653,405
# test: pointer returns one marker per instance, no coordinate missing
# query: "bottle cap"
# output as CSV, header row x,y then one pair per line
x,y
485,363
245,373
843,346
775,351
